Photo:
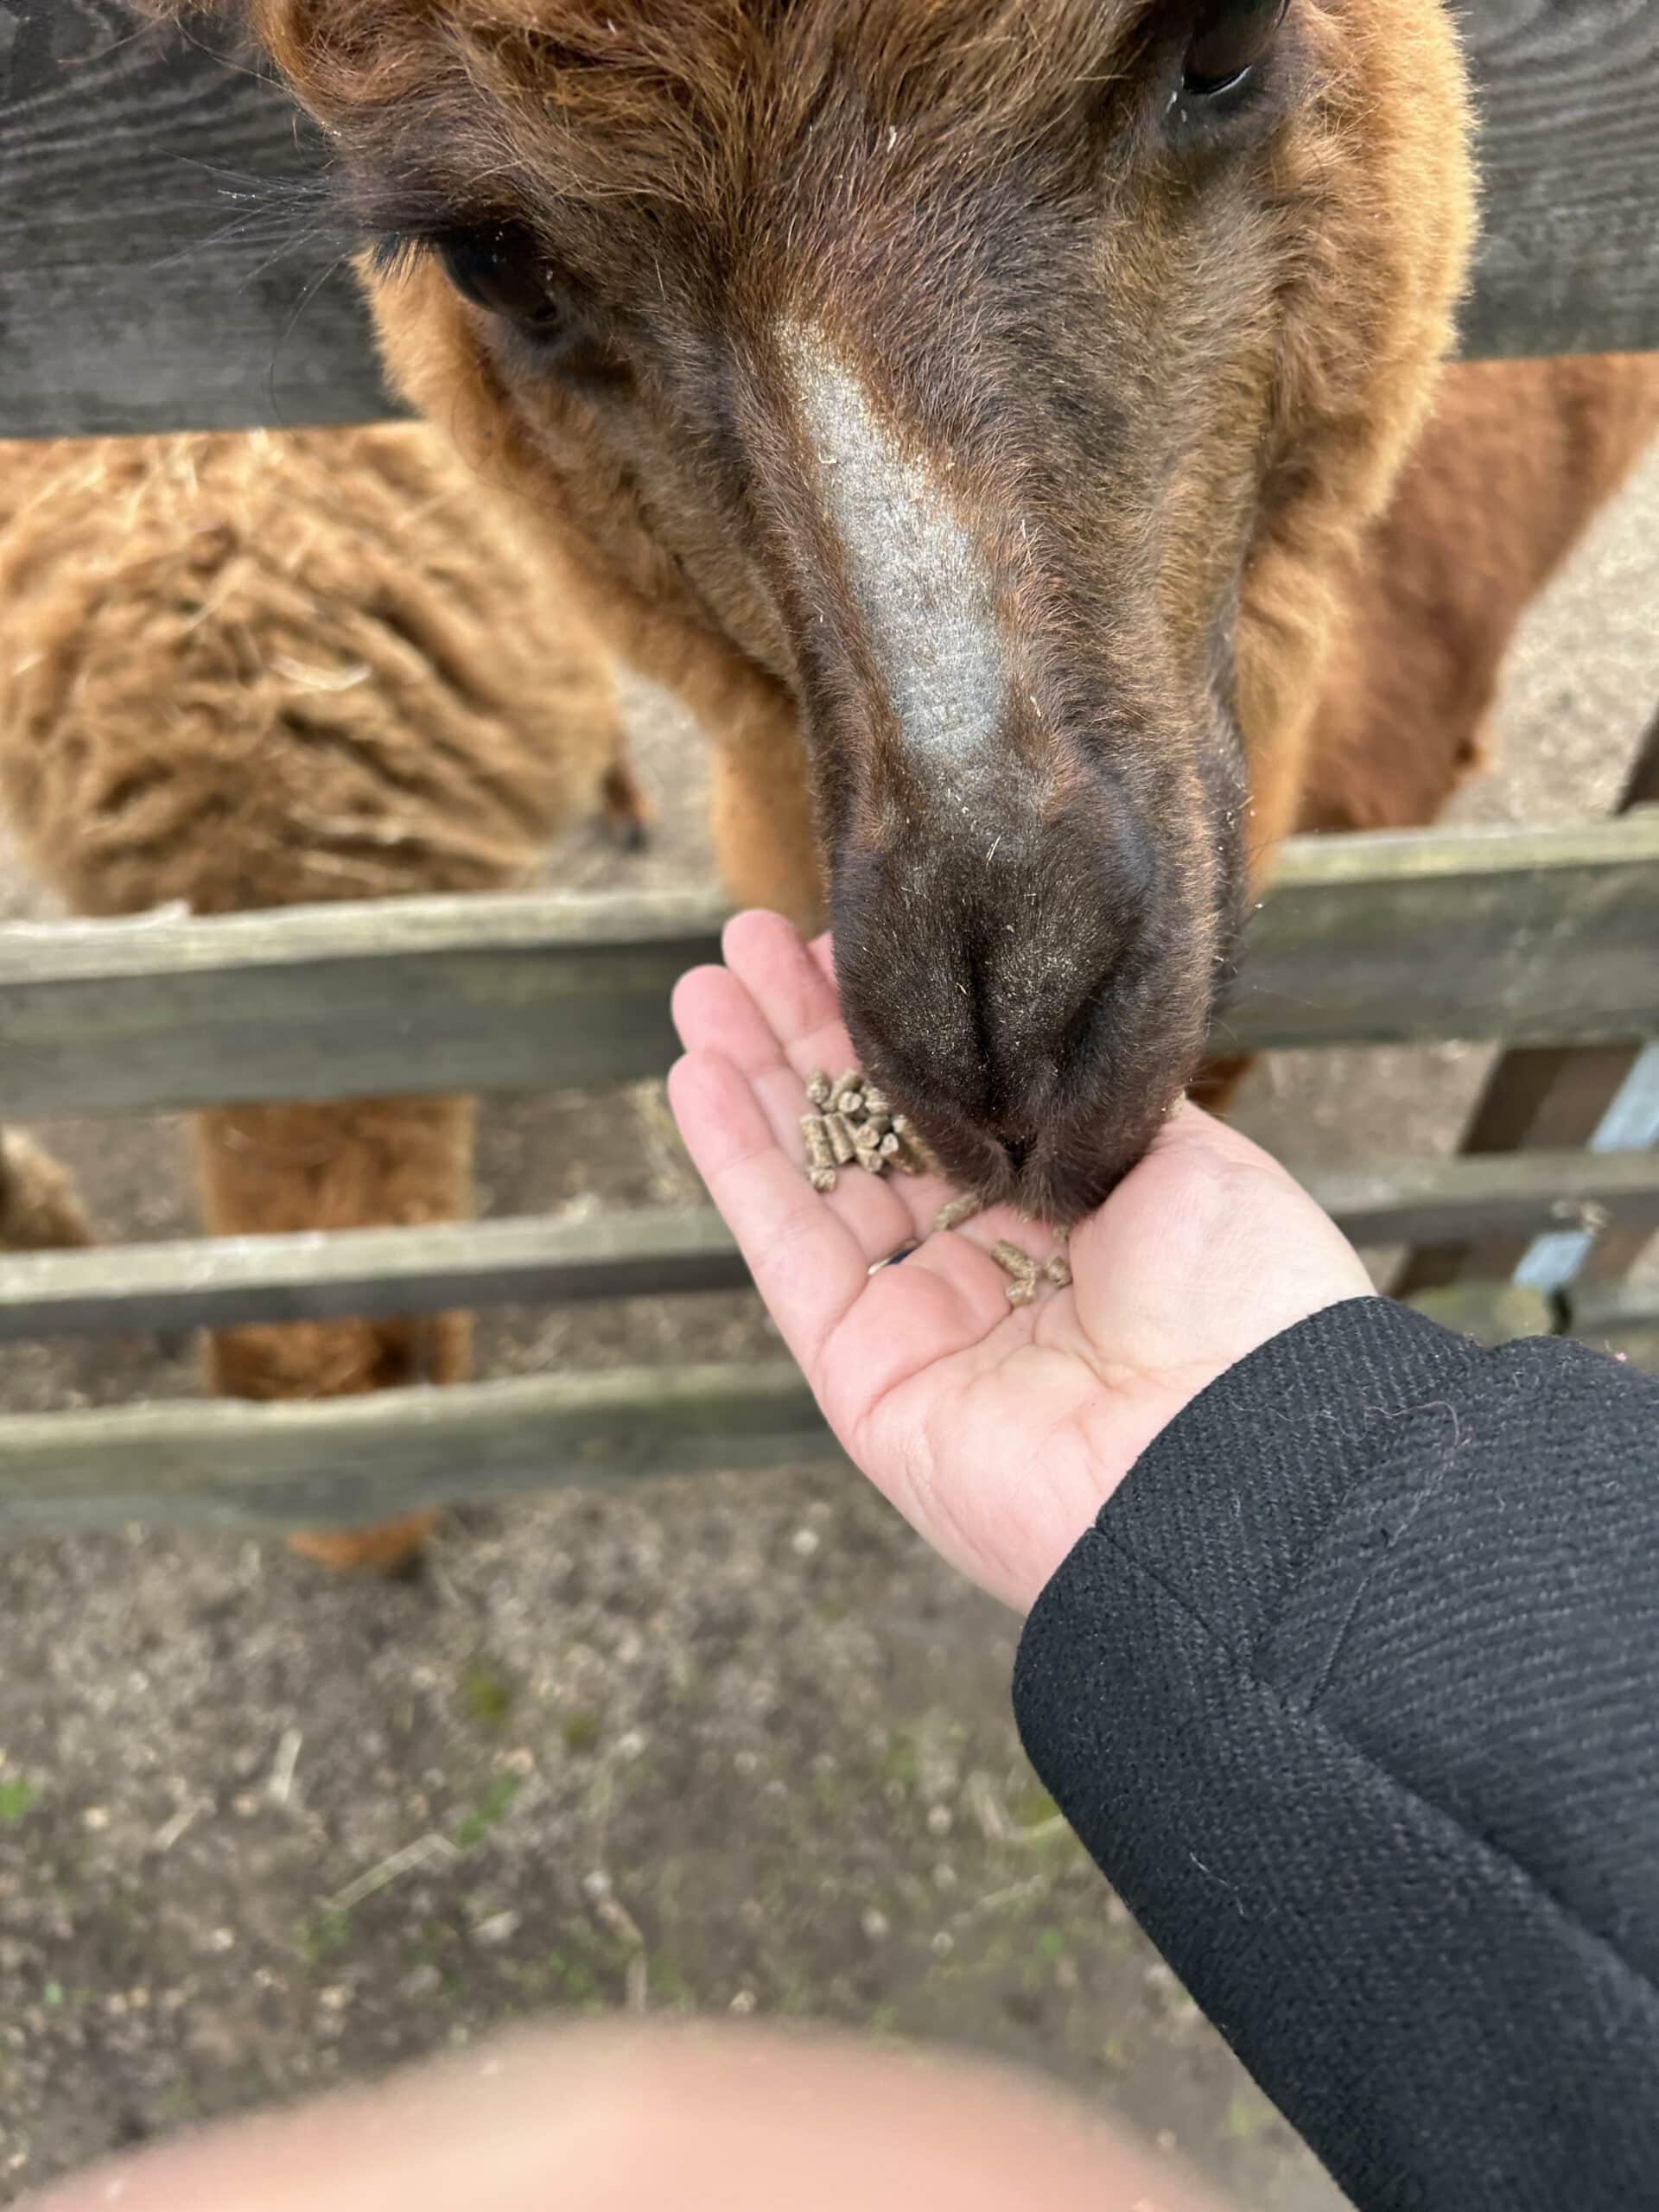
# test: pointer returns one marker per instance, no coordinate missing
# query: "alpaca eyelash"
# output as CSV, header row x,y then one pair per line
x,y
277,214
393,219
395,253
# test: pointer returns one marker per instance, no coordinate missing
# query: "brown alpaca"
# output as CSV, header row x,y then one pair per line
x,y
251,671
973,408
40,1210
1514,462
980,410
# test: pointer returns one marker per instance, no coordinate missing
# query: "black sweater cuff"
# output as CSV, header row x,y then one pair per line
x,y
1352,1691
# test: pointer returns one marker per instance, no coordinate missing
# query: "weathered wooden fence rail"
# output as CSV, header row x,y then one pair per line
x,y
220,1282
166,262
1549,937
364,1459
361,1459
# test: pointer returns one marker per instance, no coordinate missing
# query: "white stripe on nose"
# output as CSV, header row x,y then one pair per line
x,y
922,585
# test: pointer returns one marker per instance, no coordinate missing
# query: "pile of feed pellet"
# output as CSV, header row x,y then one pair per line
x,y
852,1125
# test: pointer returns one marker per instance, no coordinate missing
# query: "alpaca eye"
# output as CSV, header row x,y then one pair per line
x,y
1230,38
501,268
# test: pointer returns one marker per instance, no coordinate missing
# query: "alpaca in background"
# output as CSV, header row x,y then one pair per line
x,y
251,671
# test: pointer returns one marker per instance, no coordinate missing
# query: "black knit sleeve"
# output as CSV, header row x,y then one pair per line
x,y
1352,1690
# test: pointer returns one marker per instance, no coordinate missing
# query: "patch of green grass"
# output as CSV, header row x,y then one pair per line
x,y
574,1979
488,1812
579,1731
795,1995
668,1983
52,1995
827,1792
487,1697
903,1763
18,1799
323,1933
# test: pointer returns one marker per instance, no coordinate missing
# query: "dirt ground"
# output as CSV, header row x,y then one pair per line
x,y
731,1744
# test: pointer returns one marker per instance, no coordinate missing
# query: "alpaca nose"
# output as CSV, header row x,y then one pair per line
x,y
999,1003
1031,960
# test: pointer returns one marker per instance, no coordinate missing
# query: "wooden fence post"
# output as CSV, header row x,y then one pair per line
x,y
1554,1097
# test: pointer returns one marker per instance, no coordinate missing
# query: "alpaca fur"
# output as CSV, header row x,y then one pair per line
x,y
1150,367
1515,460
40,1211
1167,368
1512,465
247,672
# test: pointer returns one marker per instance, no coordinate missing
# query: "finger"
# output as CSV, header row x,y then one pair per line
x,y
796,1007
786,992
856,1337
807,1262
792,986
799,1001
856,1342
715,1012
979,1229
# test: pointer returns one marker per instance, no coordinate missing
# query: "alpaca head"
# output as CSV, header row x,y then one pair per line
x,y
995,381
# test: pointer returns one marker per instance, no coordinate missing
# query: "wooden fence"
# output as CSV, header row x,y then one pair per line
x,y
142,287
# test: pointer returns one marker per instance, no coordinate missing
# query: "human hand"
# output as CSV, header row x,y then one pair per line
x,y
997,1431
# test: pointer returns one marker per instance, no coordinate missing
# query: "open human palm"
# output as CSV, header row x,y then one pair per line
x,y
998,1431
